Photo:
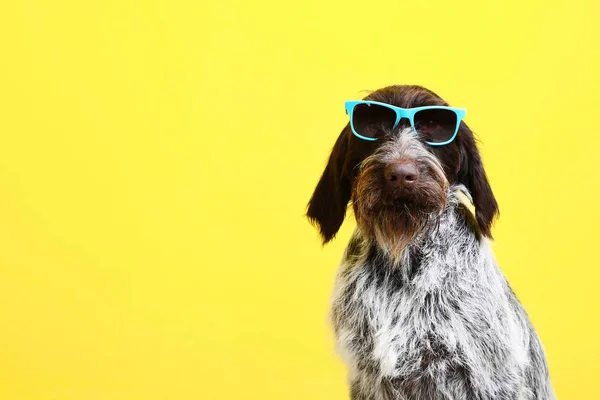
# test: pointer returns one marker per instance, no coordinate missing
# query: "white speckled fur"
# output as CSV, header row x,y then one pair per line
x,y
443,325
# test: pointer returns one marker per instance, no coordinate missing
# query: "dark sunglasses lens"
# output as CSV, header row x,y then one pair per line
x,y
373,120
436,125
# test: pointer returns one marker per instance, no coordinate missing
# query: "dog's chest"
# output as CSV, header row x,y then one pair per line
x,y
397,323
375,330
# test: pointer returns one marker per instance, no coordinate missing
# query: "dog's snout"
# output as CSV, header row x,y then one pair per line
x,y
401,174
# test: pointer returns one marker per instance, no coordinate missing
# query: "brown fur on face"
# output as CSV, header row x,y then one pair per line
x,y
354,171
394,219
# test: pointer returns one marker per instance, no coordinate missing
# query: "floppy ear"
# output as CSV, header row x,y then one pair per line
x,y
473,176
327,206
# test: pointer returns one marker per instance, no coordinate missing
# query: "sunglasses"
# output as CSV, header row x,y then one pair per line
x,y
437,124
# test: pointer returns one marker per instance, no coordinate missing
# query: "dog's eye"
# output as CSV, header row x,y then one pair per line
x,y
376,131
427,126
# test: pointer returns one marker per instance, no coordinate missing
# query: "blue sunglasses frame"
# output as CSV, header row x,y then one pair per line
x,y
408,113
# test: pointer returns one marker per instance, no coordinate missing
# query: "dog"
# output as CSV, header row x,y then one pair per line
x,y
420,309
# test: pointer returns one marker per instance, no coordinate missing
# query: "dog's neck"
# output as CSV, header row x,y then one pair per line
x,y
455,223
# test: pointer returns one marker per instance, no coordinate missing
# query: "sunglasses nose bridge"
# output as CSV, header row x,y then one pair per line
x,y
400,118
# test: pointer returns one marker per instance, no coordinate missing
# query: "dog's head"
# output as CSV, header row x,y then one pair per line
x,y
398,183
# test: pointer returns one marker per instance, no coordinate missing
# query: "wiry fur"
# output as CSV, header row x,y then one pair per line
x,y
443,324
420,310
394,230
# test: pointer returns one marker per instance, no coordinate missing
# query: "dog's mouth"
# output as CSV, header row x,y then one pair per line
x,y
398,200
409,203
397,218
402,201
405,215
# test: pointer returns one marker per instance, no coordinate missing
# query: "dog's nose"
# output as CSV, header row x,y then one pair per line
x,y
401,174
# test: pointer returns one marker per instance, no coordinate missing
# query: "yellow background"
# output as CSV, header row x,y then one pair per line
x,y
156,157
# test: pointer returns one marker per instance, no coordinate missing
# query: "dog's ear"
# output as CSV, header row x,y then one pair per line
x,y
327,206
473,176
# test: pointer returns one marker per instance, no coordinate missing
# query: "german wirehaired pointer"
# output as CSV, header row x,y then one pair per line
x,y
420,308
